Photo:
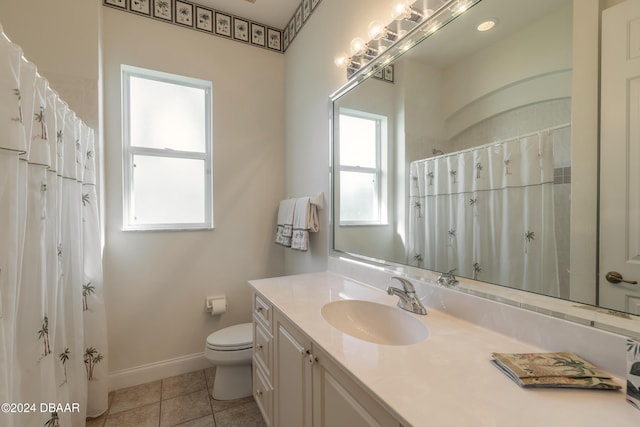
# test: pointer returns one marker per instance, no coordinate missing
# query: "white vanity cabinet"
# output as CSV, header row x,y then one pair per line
x,y
339,401
303,386
263,357
293,375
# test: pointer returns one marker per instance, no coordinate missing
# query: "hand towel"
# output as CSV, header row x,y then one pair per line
x,y
284,229
305,220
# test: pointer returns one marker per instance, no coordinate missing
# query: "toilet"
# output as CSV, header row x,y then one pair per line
x,y
231,349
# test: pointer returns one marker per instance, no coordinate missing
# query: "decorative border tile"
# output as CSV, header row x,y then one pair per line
x,y
223,24
258,35
201,18
292,29
275,39
140,6
241,30
121,4
298,18
204,19
285,34
306,9
388,74
187,14
162,9
385,74
184,13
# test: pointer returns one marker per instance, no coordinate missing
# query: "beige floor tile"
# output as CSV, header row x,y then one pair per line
x,y
210,374
200,422
183,384
145,416
247,415
185,408
96,422
134,397
222,405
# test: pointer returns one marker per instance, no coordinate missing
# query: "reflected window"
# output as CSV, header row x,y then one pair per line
x,y
362,140
167,151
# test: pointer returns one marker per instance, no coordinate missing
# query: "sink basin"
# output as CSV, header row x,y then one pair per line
x,y
373,322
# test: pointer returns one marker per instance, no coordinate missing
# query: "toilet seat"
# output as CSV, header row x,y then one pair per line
x,y
232,338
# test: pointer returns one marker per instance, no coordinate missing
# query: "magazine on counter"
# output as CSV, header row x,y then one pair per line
x,y
564,369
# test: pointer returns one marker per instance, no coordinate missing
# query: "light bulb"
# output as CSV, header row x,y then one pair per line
x,y
358,46
376,30
400,9
341,60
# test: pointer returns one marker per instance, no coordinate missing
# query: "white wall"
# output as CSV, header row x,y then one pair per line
x,y
156,282
311,77
69,59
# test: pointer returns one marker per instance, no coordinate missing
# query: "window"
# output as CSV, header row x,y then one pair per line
x,y
362,140
167,151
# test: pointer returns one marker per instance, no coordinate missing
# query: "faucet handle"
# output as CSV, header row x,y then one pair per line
x,y
406,285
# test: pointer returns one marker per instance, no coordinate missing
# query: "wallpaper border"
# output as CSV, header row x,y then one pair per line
x,y
198,17
187,14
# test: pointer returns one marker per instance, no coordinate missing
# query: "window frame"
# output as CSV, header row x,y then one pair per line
x,y
129,151
379,171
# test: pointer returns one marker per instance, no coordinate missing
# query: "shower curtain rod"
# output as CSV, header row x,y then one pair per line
x,y
502,141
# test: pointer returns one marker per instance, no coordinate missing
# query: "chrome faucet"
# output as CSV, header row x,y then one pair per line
x,y
408,299
447,278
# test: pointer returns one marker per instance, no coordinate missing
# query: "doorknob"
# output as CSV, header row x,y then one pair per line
x,y
615,277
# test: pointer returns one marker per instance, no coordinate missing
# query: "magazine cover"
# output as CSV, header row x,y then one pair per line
x,y
633,372
564,369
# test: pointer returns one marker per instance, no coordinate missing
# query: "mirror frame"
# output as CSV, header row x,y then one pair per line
x,y
587,14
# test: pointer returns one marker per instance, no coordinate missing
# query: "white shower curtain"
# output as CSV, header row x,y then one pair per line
x,y
487,213
52,320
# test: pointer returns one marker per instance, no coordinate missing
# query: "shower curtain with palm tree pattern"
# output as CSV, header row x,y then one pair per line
x,y
53,370
488,213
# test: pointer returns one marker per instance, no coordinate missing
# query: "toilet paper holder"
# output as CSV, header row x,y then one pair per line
x,y
216,304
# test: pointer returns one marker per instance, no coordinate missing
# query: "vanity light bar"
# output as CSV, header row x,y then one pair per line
x,y
407,18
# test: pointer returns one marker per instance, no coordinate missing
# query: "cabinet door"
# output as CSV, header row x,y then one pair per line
x,y
292,383
339,402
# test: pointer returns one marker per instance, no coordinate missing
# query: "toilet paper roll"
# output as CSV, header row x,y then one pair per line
x,y
218,306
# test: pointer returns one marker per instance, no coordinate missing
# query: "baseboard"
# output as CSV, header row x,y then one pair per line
x,y
156,371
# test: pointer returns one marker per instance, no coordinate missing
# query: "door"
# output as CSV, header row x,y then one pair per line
x,y
620,158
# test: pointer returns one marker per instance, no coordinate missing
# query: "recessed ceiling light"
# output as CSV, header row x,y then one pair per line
x,y
487,24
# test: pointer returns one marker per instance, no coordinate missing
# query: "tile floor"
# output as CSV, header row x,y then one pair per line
x,y
184,400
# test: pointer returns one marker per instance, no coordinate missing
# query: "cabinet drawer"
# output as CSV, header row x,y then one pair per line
x,y
263,348
262,311
263,394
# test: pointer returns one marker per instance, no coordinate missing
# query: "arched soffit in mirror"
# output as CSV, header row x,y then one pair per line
x,y
464,161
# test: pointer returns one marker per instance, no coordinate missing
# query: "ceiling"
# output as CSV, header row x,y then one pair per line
x,y
462,39
275,13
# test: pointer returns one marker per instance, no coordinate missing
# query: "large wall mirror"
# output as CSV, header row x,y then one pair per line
x,y
462,159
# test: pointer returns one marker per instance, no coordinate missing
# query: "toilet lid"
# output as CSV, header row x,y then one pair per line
x,y
236,337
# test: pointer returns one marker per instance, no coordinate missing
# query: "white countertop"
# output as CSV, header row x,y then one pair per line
x,y
446,380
